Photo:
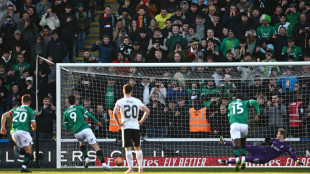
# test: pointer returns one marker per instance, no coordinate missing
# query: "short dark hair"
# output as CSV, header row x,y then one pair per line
x,y
26,98
71,99
239,96
127,88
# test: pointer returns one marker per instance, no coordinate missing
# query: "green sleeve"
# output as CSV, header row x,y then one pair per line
x,y
66,122
284,49
273,31
89,114
255,104
259,35
237,44
223,45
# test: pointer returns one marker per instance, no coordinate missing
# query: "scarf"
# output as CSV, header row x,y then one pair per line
x,y
140,21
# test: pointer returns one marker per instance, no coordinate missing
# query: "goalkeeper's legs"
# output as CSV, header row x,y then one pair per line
x,y
253,150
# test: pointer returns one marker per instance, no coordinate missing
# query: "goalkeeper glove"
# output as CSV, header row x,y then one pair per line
x,y
299,162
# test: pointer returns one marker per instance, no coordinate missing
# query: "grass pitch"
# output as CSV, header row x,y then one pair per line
x,y
164,170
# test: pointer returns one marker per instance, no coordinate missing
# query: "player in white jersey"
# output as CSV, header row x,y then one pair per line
x,y
129,108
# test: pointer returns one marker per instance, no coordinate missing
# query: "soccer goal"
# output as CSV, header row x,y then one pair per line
x,y
188,103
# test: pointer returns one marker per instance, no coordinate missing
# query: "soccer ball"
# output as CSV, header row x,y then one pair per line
x,y
119,161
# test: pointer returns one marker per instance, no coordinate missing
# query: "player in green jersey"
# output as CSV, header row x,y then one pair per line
x,y
238,119
74,118
20,132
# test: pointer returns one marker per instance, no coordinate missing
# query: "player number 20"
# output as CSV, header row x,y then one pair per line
x,y
20,116
130,111
237,108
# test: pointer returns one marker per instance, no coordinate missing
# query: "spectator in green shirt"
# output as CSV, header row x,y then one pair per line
x,y
291,50
229,43
265,31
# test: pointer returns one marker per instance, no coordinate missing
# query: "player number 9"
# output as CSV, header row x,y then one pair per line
x,y
73,116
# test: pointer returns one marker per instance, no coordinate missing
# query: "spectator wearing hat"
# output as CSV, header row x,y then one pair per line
x,y
56,48
162,17
7,28
210,16
283,23
265,31
10,12
291,50
18,40
83,25
38,48
6,60
229,43
41,6
50,19
269,58
106,49
136,48
150,30
150,6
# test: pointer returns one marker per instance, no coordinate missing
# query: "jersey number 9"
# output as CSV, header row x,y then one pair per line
x,y
130,111
73,116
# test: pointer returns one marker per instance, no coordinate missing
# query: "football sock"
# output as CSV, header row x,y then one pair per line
x,y
22,151
236,151
100,156
26,160
129,158
243,158
84,150
140,158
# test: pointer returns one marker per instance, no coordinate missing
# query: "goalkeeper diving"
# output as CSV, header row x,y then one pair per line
x,y
269,150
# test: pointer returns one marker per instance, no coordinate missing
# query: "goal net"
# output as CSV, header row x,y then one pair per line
x,y
188,103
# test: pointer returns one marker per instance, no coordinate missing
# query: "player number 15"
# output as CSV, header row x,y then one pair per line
x,y
237,108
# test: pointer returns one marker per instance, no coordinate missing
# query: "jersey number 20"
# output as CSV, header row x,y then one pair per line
x,y
20,116
130,111
237,108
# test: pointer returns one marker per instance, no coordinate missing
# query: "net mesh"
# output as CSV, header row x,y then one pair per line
x,y
170,92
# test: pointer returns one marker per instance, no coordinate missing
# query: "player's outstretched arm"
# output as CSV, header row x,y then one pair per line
x,y
256,106
3,122
145,115
291,153
90,115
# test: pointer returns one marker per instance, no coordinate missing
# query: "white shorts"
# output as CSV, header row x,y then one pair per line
x,y
22,138
238,130
86,134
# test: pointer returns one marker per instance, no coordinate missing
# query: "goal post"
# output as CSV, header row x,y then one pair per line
x,y
175,94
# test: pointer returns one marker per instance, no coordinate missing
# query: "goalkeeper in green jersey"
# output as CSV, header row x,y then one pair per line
x,y
20,131
238,113
74,118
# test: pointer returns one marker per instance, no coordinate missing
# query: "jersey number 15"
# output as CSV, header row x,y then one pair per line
x,y
237,108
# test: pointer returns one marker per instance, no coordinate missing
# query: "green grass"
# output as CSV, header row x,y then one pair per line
x,y
165,170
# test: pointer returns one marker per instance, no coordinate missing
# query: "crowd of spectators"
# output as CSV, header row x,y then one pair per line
x,y
160,31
